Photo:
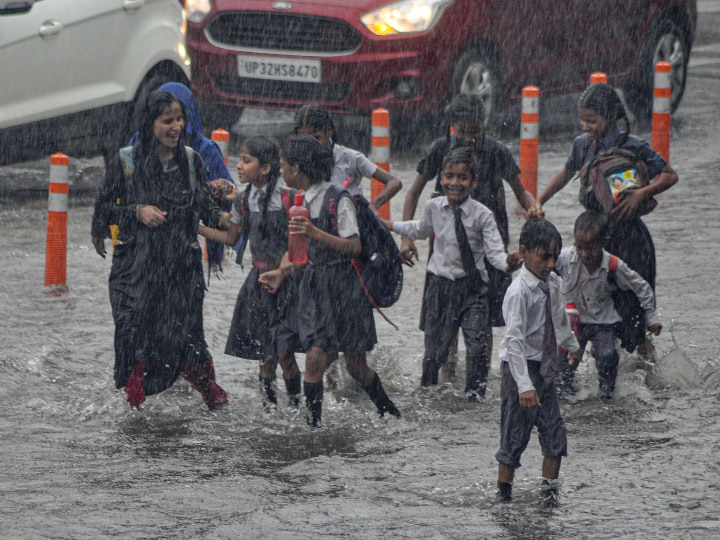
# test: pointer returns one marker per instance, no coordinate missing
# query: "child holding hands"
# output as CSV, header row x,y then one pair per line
x,y
456,295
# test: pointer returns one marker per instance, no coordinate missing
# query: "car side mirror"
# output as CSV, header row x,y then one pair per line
x,y
13,7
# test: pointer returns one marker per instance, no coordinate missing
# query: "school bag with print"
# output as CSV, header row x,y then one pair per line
x,y
611,174
379,266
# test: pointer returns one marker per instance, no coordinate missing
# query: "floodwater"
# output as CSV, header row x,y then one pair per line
x,y
79,463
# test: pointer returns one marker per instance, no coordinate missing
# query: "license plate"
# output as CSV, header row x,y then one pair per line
x,y
279,69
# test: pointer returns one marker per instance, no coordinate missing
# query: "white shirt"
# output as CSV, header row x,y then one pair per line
x,y
439,219
346,214
592,294
253,200
353,165
524,313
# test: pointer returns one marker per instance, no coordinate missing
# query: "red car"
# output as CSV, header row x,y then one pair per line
x,y
412,56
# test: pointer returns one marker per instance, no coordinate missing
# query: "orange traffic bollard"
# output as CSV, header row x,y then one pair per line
x,y
662,92
222,138
380,154
56,248
598,77
529,129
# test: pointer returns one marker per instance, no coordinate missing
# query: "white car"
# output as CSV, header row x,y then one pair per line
x,y
72,71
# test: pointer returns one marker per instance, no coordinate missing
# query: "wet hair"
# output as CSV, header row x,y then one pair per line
x,y
467,108
605,101
307,153
267,151
315,117
145,152
540,234
595,223
464,155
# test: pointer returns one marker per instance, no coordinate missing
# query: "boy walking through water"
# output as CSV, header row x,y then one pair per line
x,y
536,324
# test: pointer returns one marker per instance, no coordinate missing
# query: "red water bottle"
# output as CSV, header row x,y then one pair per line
x,y
572,313
297,243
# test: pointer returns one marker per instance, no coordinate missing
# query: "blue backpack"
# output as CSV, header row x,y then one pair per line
x,y
379,266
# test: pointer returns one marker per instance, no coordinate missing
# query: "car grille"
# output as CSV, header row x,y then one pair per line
x,y
283,32
282,90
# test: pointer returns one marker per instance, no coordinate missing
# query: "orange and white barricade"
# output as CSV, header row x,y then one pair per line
x,y
56,247
598,78
222,138
529,131
380,154
662,93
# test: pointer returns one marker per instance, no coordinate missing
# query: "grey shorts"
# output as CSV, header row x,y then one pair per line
x,y
516,423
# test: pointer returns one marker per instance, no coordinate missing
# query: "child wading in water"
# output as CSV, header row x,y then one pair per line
x,y
261,213
456,294
333,314
589,282
601,115
496,167
536,323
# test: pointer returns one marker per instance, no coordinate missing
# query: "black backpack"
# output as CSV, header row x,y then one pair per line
x,y
379,266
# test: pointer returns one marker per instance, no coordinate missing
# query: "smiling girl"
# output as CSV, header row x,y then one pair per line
x,y
601,114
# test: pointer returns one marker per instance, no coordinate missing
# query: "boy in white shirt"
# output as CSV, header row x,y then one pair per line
x,y
456,291
590,278
536,323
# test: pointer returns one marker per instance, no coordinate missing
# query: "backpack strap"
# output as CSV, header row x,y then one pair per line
x,y
612,269
191,166
288,197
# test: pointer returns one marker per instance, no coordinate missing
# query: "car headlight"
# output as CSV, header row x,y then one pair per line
x,y
197,9
404,17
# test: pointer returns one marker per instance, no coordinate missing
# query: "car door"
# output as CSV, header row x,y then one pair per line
x,y
613,32
537,41
34,49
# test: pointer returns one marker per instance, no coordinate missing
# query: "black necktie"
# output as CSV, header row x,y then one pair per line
x,y
549,365
468,261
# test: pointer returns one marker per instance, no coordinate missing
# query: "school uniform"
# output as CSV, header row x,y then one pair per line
x,y
593,296
349,169
526,365
455,297
495,165
630,239
256,310
333,311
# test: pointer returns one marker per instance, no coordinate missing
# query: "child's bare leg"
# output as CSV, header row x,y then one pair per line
x,y
551,467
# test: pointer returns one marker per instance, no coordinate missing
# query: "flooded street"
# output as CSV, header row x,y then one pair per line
x,y
79,463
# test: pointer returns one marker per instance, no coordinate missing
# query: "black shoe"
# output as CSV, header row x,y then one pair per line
x,y
548,494
504,491
268,393
377,394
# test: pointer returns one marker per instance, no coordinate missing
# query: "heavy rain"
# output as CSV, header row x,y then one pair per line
x,y
81,463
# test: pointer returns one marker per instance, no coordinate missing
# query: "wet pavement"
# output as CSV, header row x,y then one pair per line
x,y
80,464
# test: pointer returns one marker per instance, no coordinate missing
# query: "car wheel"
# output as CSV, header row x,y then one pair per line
x,y
476,73
668,43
